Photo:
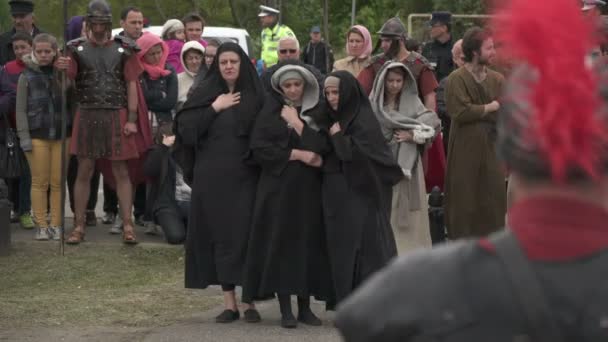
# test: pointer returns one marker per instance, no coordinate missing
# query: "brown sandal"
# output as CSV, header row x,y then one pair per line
x,y
76,237
128,235
77,234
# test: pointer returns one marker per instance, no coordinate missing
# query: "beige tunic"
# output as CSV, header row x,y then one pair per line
x,y
351,64
411,222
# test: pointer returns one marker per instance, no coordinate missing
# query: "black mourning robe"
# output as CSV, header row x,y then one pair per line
x,y
224,177
358,173
287,252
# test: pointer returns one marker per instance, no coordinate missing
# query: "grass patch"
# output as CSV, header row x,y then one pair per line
x,y
96,285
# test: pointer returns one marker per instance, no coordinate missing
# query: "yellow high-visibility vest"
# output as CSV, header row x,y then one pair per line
x,y
270,43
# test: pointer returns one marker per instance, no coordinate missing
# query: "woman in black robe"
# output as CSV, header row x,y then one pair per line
x,y
215,123
358,172
287,254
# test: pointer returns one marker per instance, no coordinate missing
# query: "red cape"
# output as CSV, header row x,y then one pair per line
x,y
434,165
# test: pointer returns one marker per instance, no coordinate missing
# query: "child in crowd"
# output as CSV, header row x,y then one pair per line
x,y
19,189
39,121
174,36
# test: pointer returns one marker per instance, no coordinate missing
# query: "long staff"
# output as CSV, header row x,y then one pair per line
x,y
64,119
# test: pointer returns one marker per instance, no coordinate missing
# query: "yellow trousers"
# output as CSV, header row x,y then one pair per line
x,y
45,164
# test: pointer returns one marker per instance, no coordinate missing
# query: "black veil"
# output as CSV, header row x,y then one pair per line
x,y
213,85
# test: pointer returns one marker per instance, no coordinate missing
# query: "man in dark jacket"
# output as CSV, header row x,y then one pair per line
x,y
544,278
439,50
132,22
318,53
23,20
289,51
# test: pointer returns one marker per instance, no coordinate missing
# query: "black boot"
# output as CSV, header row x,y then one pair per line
x,y
228,316
305,315
252,316
287,318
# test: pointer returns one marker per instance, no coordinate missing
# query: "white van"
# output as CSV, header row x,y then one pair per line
x,y
239,36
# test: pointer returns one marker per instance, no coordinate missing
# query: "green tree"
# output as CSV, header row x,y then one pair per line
x,y
459,26
371,14
300,15
5,17
461,6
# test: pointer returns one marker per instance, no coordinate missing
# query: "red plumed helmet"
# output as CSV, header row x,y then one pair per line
x,y
553,110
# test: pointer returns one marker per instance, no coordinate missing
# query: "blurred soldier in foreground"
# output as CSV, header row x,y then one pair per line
x,y
543,279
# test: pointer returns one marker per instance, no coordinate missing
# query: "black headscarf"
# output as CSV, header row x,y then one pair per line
x,y
212,86
357,119
270,127
248,84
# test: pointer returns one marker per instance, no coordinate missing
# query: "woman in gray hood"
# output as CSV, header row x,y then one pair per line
x,y
287,254
409,127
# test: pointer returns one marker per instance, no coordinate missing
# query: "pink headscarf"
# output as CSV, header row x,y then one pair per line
x,y
146,42
367,40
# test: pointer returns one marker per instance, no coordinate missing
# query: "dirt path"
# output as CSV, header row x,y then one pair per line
x,y
198,328
191,325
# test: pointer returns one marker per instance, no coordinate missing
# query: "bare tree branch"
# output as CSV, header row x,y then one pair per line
x,y
326,20
160,10
235,17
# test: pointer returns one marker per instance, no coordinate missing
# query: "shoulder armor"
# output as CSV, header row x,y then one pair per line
x,y
376,63
377,59
74,43
416,56
127,43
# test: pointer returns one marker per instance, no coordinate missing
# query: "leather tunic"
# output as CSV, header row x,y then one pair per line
x,y
100,82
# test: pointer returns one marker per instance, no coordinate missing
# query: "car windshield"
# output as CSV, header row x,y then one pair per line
x,y
222,34
222,39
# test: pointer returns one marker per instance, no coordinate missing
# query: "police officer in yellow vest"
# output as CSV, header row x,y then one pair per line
x,y
271,33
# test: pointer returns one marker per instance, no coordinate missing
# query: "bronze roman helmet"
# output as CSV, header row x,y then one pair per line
x,y
393,28
99,12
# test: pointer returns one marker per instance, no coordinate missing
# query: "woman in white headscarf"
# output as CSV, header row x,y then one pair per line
x,y
409,127
192,59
